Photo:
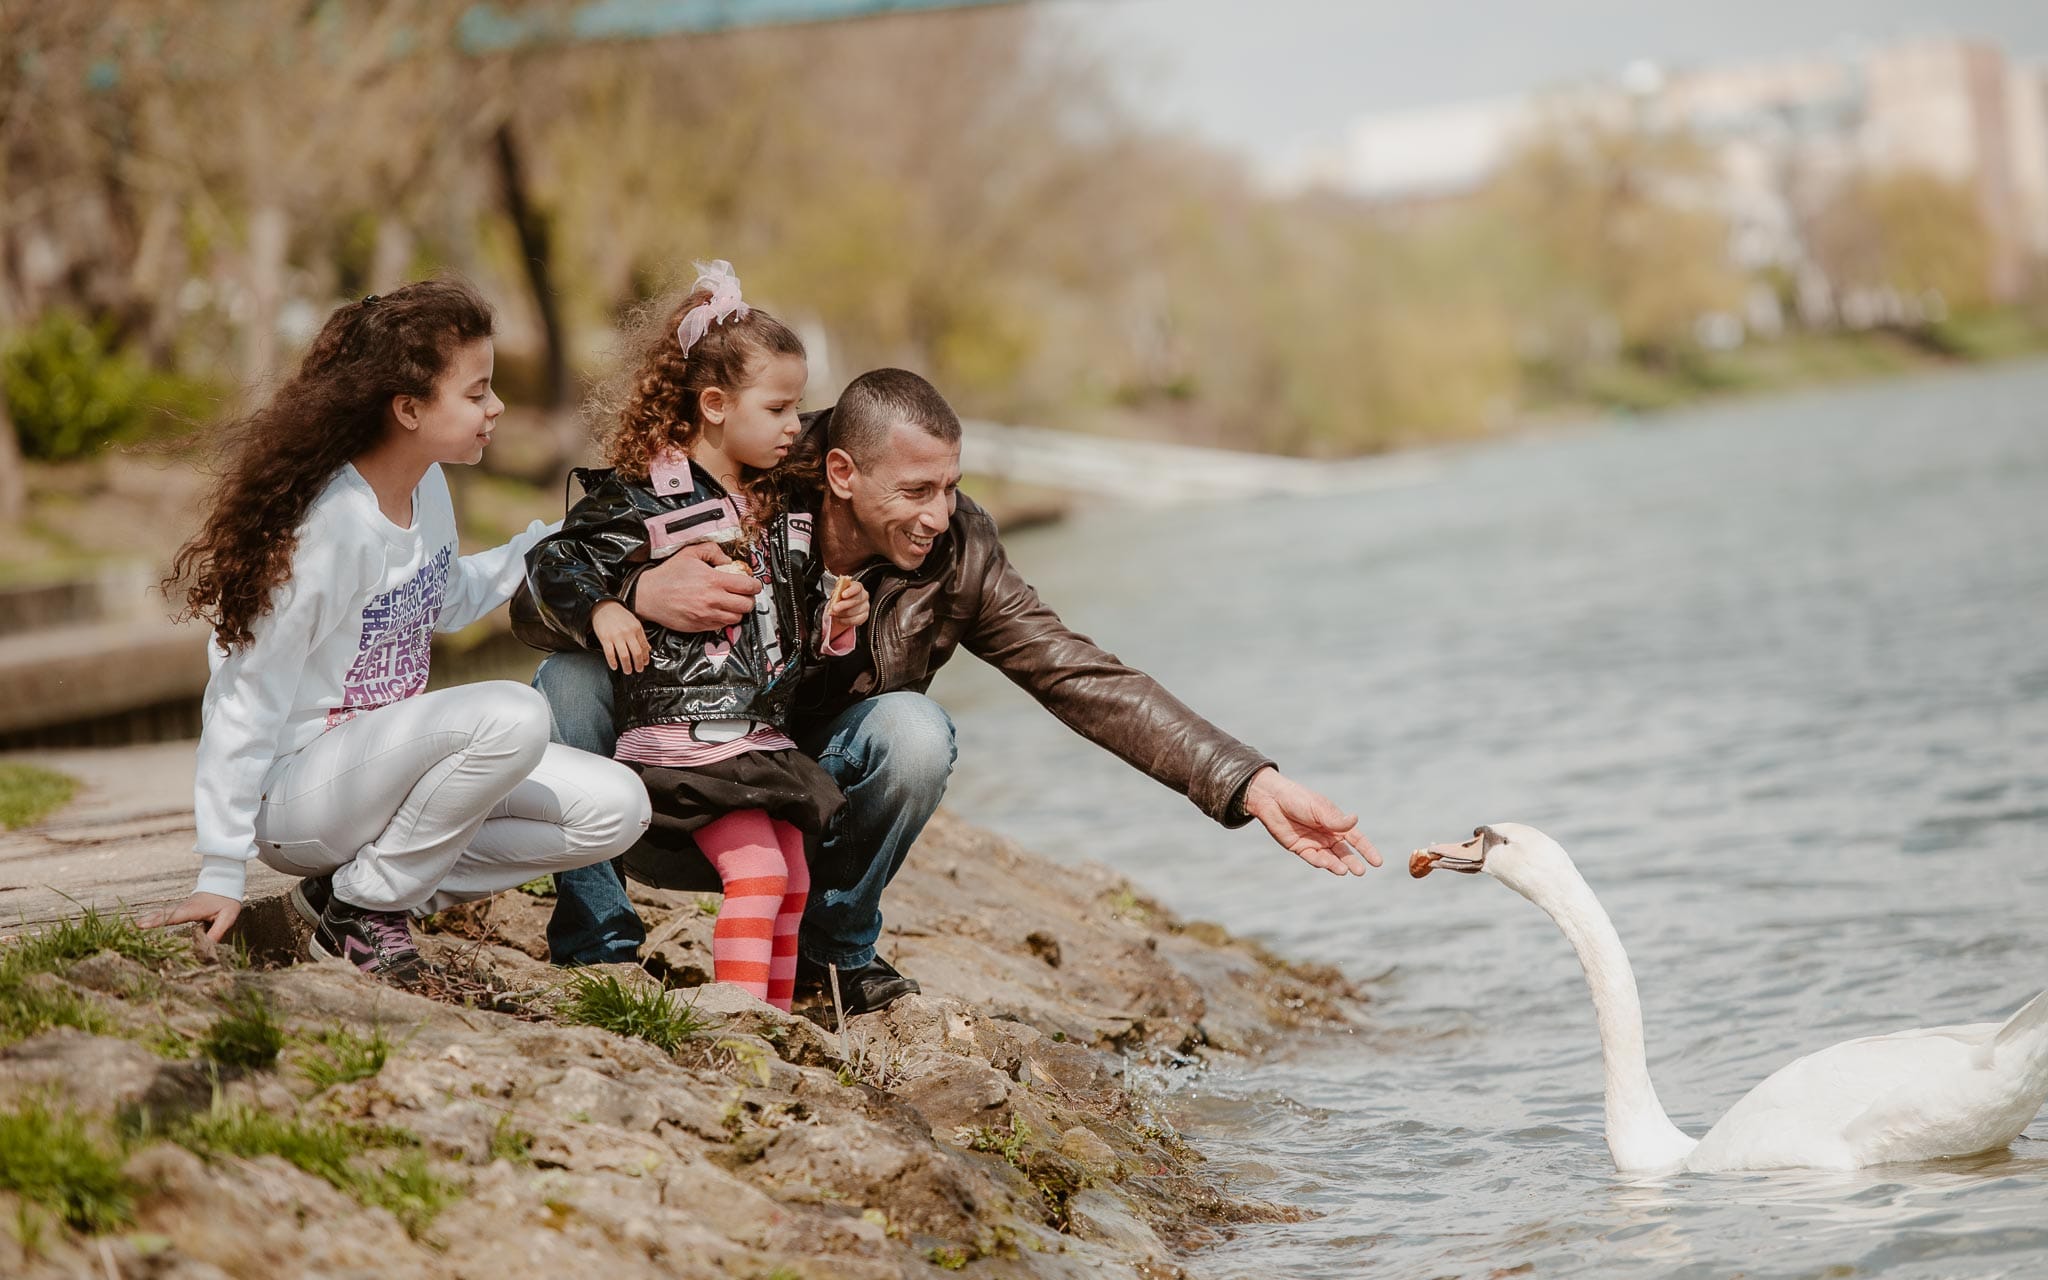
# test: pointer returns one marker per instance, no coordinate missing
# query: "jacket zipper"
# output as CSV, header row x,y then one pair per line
x,y
874,646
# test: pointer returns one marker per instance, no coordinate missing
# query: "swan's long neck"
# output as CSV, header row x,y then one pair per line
x,y
1639,1134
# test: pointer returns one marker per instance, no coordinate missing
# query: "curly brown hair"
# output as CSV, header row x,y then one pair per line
x,y
331,411
656,407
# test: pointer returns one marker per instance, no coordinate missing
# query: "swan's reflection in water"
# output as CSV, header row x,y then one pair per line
x,y
1846,1210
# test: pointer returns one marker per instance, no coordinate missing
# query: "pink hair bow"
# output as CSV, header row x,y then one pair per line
x,y
724,304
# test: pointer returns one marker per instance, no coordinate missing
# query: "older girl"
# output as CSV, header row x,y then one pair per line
x,y
326,564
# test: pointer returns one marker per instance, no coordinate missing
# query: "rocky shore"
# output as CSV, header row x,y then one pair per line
x,y
167,1113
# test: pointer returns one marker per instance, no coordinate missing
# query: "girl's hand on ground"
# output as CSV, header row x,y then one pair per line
x,y
621,636
210,909
849,607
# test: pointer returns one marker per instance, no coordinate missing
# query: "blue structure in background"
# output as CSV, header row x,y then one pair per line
x,y
493,28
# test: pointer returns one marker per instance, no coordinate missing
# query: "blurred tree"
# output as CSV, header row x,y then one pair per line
x,y
1624,249
1914,233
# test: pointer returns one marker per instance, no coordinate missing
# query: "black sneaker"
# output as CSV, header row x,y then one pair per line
x,y
309,897
377,942
873,986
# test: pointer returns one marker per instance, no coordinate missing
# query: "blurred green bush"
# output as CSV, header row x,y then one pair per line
x,y
71,391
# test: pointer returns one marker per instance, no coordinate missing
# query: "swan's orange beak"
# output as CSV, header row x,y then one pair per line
x,y
1468,858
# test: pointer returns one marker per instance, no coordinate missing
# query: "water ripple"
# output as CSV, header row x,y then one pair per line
x,y
1772,672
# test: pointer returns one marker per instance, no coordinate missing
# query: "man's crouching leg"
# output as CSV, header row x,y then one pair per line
x,y
594,922
892,755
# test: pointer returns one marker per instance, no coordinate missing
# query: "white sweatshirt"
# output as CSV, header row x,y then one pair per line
x,y
351,631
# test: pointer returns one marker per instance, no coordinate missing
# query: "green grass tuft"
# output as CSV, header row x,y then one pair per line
x,y
29,793
53,949
327,1149
321,1148
511,1143
602,1001
28,1009
340,1056
1010,1146
48,1158
410,1189
539,887
247,1034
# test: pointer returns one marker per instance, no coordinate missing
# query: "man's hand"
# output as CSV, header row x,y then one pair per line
x,y
621,636
687,593
1308,825
210,909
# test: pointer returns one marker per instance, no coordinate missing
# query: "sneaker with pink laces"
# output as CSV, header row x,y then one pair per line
x,y
377,942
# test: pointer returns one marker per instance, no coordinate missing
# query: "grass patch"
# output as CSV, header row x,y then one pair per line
x,y
320,1147
28,1009
329,1150
340,1056
410,1189
539,887
1010,1146
646,1013
62,944
511,1143
246,1034
48,1158
29,793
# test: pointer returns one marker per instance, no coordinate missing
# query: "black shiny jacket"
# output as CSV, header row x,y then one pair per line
x,y
744,672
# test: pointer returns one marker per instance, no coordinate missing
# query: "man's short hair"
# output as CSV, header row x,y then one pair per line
x,y
876,401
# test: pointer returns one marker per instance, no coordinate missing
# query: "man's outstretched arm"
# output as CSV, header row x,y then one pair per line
x,y
1130,714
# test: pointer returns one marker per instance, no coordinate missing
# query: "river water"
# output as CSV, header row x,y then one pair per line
x,y
1776,673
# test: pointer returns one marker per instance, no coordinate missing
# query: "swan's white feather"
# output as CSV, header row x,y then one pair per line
x,y
1922,1094
1912,1095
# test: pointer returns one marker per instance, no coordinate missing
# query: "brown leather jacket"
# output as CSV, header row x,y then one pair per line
x,y
968,595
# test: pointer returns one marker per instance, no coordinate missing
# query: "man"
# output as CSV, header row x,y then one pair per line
x,y
938,580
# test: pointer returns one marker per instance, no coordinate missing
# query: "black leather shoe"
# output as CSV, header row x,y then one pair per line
x,y
875,985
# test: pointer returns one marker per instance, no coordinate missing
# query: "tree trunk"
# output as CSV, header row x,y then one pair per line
x,y
391,259
269,238
13,480
532,228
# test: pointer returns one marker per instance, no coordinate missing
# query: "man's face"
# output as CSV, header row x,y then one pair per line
x,y
905,496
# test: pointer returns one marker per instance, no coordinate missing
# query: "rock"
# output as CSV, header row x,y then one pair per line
x,y
1105,1218
1044,946
100,1075
1086,1148
110,972
733,1011
755,1146
587,1097
961,1095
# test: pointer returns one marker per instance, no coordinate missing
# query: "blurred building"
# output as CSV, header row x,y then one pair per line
x,y
1785,133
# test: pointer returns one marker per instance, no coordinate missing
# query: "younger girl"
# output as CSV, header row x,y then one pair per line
x,y
328,561
697,454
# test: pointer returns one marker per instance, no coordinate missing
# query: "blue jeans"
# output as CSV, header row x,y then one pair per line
x,y
892,755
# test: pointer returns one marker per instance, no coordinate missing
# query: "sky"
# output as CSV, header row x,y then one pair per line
x,y
1269,77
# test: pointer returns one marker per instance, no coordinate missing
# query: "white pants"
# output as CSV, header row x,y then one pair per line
x,y
443,798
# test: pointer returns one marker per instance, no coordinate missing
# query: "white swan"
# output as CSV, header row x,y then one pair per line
x,y
1911,1095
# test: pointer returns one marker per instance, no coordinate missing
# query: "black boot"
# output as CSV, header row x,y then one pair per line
x,y
873,986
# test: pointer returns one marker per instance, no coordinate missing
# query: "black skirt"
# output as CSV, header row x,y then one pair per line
x,y
785,784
